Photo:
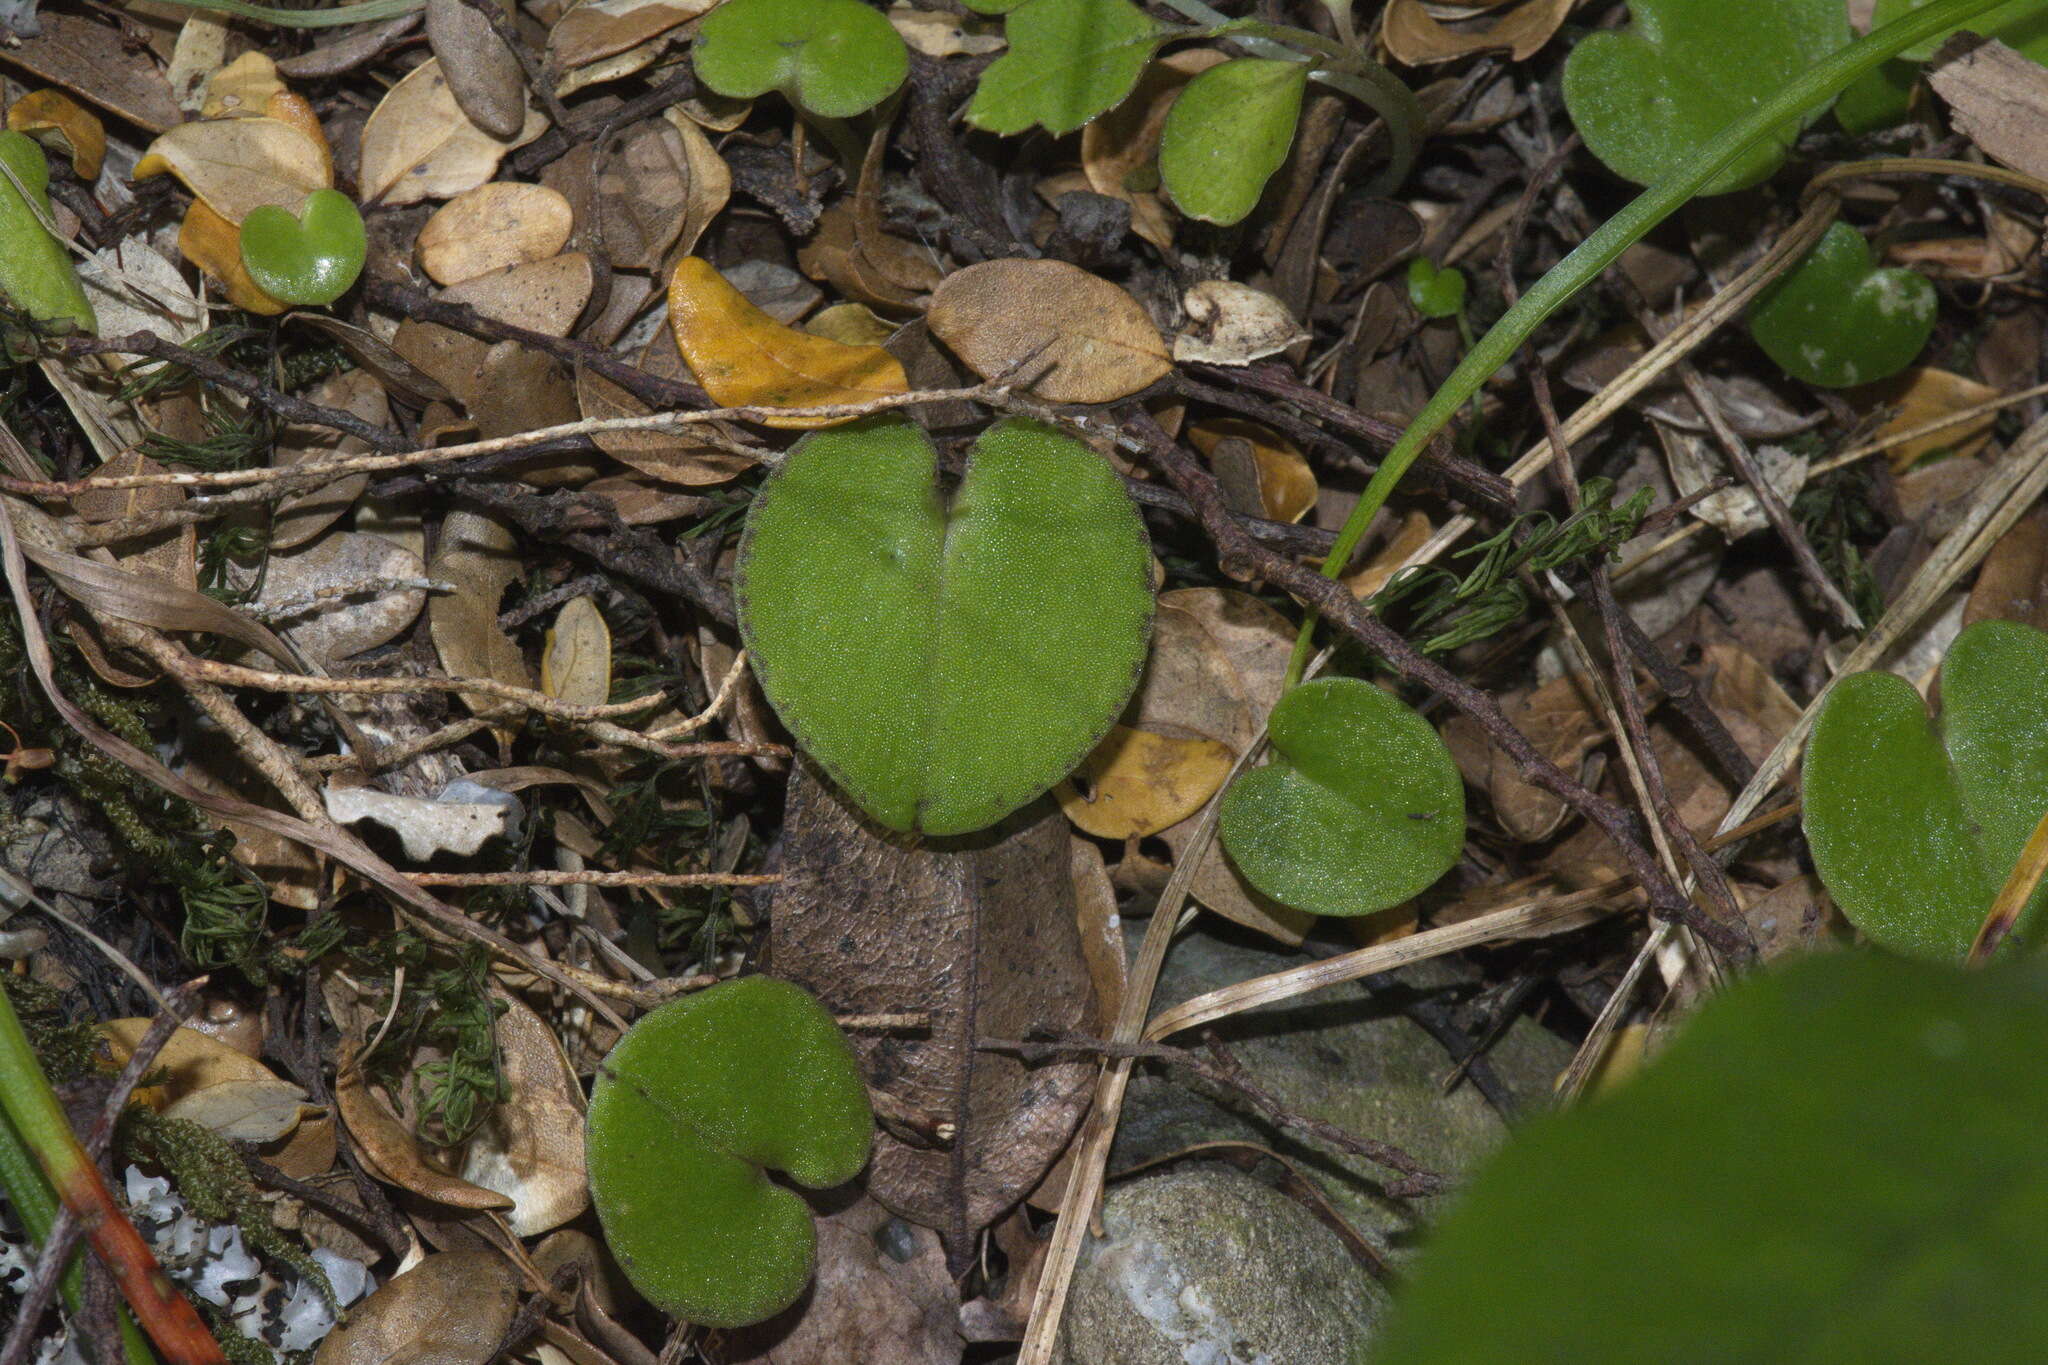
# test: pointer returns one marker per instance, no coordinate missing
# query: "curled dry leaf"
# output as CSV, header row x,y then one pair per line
x,y
1284,485
302,516
350,621
239,164
981,938
390,1150
595,29
1053,328
1416,38
493,227
672,456
133,287
1119,151
190,1062
452,1308
743,357
481,557
944,35
61,123
375,354
484,75
658,188
530,1148
418,144
1234,324
576,664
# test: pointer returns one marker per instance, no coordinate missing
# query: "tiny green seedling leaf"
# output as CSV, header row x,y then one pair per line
x,y
1227,133
1837,318
1838,1160
311,259
694,1105
1649,97
945,661
1914,828
1435,293
35,271
835,58
1360,809
1069,60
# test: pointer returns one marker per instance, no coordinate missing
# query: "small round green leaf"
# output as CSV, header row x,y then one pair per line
x,y
1068,61
836,58
1360,809
1836,1161
1435,293
1227,133
1648,97
1837,318
1913,828
946,661
35,269
311,259
693,1103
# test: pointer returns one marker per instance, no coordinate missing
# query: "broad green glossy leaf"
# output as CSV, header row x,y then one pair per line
x,y
700,1099
945,660
836,58
1648,97
1836,1161
311,259
1435,293
1069,60
35,270
2021,25
1227,133
1360,808
1838,318
1914,828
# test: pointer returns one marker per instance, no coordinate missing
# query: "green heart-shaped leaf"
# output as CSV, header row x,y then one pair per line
x,y
693,1103
1068,61
1914,828
1360,809
945,661
836,58
1435,293
1837,319
1837,1160
1227,133
1648,97
35,269
311,259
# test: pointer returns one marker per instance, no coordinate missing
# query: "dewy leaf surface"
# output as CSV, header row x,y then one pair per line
x,y
1361,807
1069,60
836,58
1836,1161
1226,135
1647,97
1838,319
1914,828
692,1103
945,663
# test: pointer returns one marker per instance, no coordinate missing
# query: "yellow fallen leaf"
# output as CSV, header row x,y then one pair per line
x,y
54,119
237,164
1139,783
242,87
297,110
576,664
214,244
1924,394
744,358
190,1062
1287,487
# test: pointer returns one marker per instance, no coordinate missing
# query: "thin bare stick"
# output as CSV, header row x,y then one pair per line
x,y
550,878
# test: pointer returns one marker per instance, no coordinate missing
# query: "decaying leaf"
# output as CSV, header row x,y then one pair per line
x,y
302,516
480,556
452,1308
1050,328
1922,395
576,664
594,29
245,1111
2013,584
980,938
1137,783
391,1152
494,226
1282,486
674,457
191,1062
345,619
483,74
418,144
658,187
237,164
1521,27
1234,324
1999,98
743,357
530,1148
424,826
59,122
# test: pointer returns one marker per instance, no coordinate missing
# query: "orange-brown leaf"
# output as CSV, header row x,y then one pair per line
x,y
214,244
52,116
744,358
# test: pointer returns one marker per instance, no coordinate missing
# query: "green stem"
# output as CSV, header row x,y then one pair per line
x,y
1815,86
368,12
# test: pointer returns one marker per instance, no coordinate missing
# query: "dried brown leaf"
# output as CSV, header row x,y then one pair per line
x,y
530,1148
484,74
418,144
450,1309
493,227
1066,335
1415,37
